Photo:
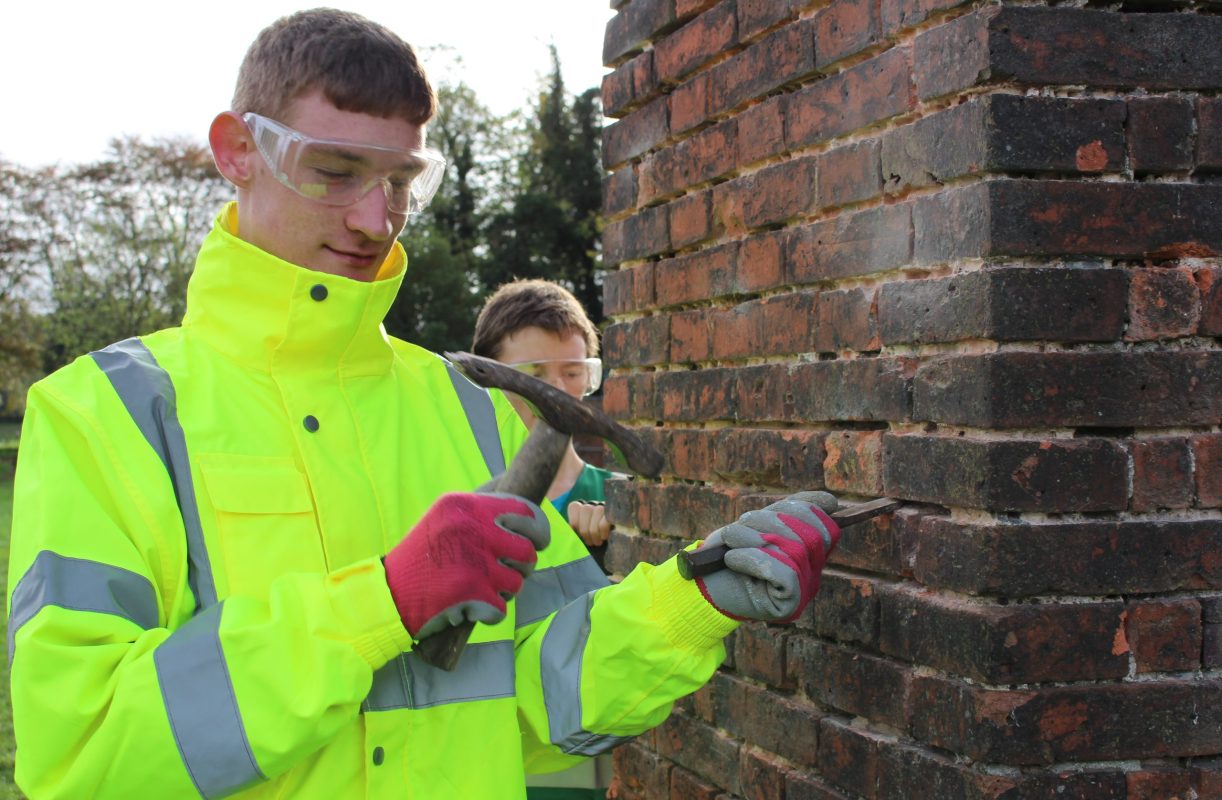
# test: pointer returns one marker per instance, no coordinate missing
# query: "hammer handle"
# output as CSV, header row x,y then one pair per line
x,y
529,475
694,563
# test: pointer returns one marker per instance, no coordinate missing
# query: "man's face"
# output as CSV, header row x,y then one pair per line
x,y
536,344
351,241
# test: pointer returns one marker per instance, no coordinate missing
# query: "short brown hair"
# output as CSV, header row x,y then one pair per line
x,y
526,303
358,65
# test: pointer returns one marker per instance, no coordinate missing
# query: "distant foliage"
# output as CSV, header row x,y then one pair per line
x,y
94,253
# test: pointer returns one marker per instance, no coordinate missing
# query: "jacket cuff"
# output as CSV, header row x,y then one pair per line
x,y
688,619
363,603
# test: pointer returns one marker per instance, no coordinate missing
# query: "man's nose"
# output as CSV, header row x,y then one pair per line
x,y
371,213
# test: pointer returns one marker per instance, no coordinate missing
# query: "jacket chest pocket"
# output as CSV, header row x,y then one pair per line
x,y
265,521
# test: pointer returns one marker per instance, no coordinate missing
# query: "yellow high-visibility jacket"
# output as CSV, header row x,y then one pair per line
x,y
197,602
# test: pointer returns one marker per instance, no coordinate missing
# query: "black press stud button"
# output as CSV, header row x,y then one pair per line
x,y
311,423
318,292
379,755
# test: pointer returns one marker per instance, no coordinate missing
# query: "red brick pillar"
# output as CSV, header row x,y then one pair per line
x,y
962,255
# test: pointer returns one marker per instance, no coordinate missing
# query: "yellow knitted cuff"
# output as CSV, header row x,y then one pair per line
x,y
362,599
689,620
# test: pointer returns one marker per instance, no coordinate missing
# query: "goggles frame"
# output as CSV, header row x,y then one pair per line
x,y
343,172
593,366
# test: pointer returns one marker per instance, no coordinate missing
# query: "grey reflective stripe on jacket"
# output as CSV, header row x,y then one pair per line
x,y
485,672
203,711
148,394
564,644
80,585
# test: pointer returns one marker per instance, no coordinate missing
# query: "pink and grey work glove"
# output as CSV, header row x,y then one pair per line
x,y
775,558
464,560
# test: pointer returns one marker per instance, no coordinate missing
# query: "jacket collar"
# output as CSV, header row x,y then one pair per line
x,y
265,313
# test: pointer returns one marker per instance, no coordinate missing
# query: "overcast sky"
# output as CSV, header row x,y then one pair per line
x,y
77,74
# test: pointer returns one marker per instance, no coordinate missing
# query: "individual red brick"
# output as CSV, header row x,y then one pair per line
x,y
859,390
758,15
702,275
640,342
1071,389
854,462
1209,282
761,262
1154,55
862,95
1162,474
998,644
845,609
1088,722
640,773
646,233
737,332
762,457
1086,304
851,244
884,544
781,724
761,131
1060,475
850,174
630,83
635,134
806,787
1166,783
787,324
762,776
1082,558
1163,304
690,512
634,25
1209,134
689,104
691,219
1211,651
685,9
685,785
759,653
907,771
951,57
615,396
762,394
849,756
1165,636
777,193
691,339
620,191
847,320
1160,134
951,225
689,453
845,28
692,46
697,396
628,289
1207,455
850,681
701,749
899,15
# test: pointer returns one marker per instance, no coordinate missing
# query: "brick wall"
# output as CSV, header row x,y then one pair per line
x,y
965,255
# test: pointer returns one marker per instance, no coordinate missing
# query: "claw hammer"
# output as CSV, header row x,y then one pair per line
x,y
532,470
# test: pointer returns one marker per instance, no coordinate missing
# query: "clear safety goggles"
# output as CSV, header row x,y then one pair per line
x,y
579,376
339,173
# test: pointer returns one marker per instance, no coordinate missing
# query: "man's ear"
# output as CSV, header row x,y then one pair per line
x,y
233,148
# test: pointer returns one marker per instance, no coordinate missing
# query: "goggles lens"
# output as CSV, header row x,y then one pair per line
x,y
338,173
579,376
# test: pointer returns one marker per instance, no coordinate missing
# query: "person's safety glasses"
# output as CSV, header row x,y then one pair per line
x,y
339,173
578,376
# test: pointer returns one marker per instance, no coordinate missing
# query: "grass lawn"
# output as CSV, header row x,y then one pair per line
x,y
7,746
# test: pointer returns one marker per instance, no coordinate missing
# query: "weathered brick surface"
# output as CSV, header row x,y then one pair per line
x,y
1010,474
1076,305
1077,558
1023,390
969,257
1103,722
